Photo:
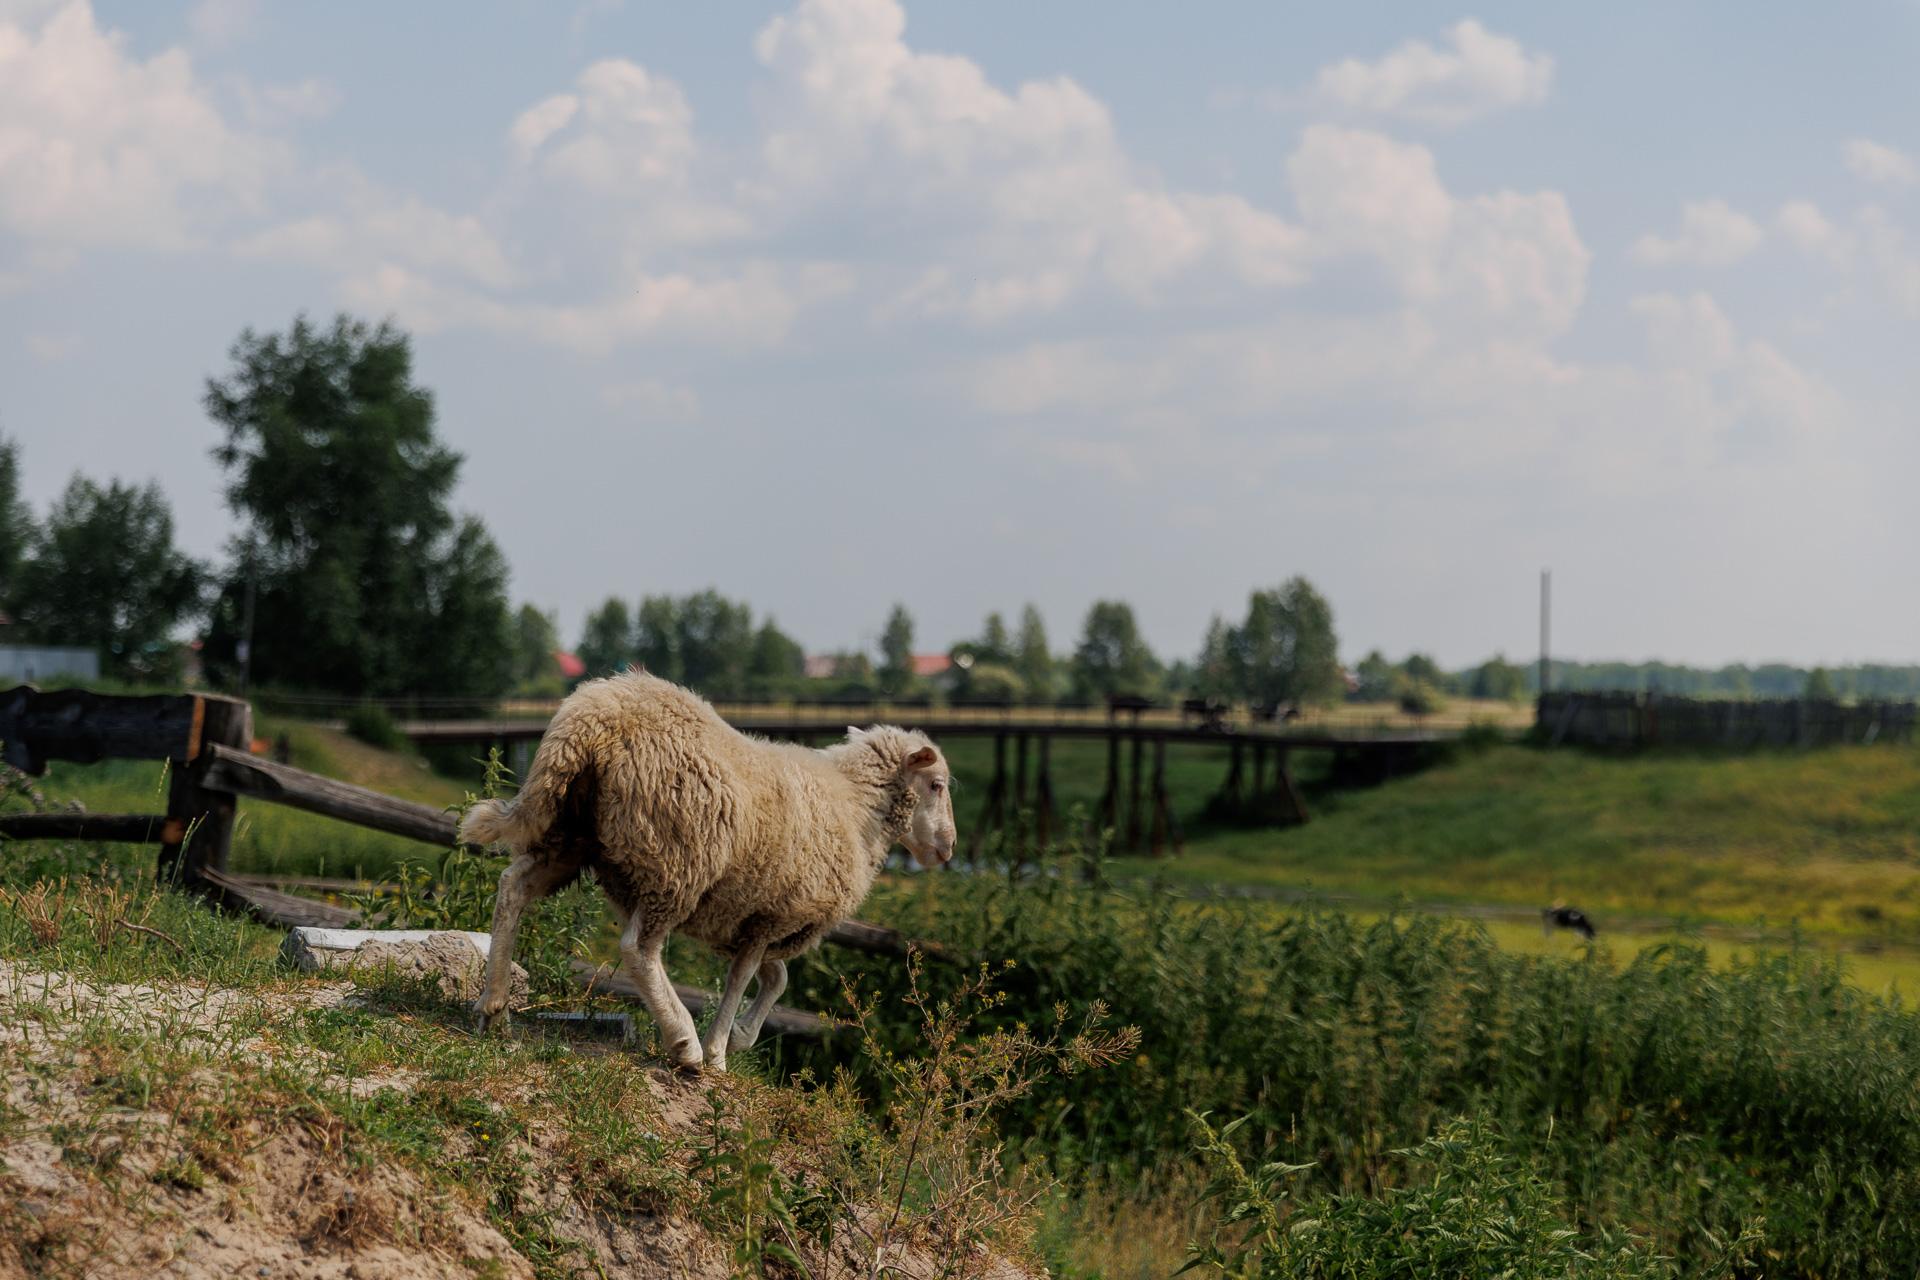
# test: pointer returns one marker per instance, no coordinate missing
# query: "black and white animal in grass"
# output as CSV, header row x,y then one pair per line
x,y
1559,917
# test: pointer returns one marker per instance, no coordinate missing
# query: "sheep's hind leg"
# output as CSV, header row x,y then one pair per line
x,y
516,889
720,1034
641,954
773,981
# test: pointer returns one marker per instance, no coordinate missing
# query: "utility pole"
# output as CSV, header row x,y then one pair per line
x,y
1546,605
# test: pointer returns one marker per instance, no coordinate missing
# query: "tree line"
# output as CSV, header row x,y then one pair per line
x,y
350,573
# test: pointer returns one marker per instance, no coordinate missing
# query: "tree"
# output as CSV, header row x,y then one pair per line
x,y
1033,660
1421,668
1819,686
656,638
1286,653
364,581
606,643
1498,678
536,636
102,571
16,522
1215,675
715,644
1375,676
1111,657
896,653
778,662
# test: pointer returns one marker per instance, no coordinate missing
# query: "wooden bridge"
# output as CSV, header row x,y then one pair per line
x,y
1134,806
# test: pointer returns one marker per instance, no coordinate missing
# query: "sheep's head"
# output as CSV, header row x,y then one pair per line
x,y
930,835
917,783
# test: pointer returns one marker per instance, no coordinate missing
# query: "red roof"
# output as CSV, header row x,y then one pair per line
x,y
570,666
931,664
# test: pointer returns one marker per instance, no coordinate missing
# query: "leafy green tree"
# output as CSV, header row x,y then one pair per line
x,y
606,644
1498,678
1215,675
896,653
536,635
1033,660
1375,676
103,572
1111,657
778,662
992,682
1819,686
16,522
715,644
365,582
1286,653
1422,669
656,640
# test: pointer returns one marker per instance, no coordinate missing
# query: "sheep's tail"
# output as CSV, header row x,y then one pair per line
x,y
521,821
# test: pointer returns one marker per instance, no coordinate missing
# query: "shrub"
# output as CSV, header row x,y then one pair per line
x,y
370,723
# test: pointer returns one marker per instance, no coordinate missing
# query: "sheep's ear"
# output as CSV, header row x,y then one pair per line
x,y
922,759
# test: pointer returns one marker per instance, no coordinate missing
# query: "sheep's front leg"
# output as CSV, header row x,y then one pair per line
x,y
640,950
516,887
739,973
773,981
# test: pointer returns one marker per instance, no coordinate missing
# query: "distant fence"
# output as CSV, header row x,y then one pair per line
x,y
1643,719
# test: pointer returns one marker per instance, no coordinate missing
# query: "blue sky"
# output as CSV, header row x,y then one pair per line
x,y
832,304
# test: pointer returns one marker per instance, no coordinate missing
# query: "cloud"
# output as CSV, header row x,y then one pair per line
x,y
651,400
1808,229
219,23
1508,260
99,147
1712,234
1475,73
1880,164
375,228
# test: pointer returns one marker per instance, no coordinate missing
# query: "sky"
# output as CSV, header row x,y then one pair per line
x,y
838,303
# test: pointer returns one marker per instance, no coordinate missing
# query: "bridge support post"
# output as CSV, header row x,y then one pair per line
x,y
1289,794
1228,801
994,812
1043,793
1022,834
1135,833
1165,829
1108,814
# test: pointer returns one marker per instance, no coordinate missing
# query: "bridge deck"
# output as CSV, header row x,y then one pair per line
x,y
942,726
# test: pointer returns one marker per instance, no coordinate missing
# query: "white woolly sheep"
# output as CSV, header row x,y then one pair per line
x,y
756,848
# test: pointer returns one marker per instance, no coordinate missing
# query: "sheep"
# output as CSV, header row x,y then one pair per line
x,y
756,848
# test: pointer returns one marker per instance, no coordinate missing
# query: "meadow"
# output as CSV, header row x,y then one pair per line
x,y
1356,1054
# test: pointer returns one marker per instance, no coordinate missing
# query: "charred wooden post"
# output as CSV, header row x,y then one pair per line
x,y
1259,770
199,829
1231,798
1107,816
1021,834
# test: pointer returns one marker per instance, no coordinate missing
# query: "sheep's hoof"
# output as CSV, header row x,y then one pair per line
x,y
496,1020
686,1056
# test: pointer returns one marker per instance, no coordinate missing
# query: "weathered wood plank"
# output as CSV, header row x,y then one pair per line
x,y
238,773
877,939
270,906
83,726
130,828
780,1019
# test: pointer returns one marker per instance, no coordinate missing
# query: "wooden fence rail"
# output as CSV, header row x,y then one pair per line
x,y
204,739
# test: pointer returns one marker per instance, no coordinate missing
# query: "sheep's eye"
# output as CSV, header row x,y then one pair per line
x,y
938,786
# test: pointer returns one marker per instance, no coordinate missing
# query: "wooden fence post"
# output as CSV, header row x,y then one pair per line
x,y
199,825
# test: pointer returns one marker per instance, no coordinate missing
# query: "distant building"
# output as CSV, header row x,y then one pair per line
x,y
929,666
821,666
570,666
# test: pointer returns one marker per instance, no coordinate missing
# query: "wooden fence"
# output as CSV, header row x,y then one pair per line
x,y
1640,719
206,741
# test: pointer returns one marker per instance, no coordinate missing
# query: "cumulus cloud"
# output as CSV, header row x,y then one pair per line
x,y
1879,163
100,147
1474,73
1507,260
1712,234
1809,230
